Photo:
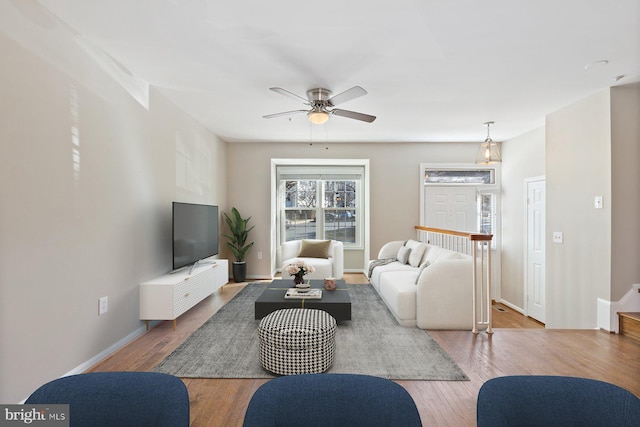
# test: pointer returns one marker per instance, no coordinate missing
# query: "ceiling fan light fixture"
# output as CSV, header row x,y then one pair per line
x,y
320,100
488,152
318,117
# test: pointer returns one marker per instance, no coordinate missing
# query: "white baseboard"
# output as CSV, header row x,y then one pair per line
x,y
605,315
607,311
112,349
255,277
512,307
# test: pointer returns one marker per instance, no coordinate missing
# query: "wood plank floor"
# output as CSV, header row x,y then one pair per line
x,y
518,346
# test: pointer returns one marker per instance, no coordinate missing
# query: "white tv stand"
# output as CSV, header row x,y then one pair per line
x,y
169,296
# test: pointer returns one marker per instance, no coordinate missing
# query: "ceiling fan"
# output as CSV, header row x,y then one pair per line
x,y
322,103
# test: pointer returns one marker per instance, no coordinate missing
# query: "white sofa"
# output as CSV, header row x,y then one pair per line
x,y
332,266
436,296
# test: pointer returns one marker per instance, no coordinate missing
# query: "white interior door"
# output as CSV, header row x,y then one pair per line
x,y
535,281
451,208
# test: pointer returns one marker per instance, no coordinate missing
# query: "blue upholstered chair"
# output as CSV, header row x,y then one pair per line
x,y
555,401
119,399
326,400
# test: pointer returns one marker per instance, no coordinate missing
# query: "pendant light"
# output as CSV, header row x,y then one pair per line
x,y
488,152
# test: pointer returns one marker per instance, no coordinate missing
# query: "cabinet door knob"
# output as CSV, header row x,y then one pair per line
x,y
186,295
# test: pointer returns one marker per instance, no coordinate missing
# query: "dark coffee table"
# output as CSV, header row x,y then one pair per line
x,y
337,303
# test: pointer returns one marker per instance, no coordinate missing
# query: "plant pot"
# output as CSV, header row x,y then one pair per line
x,y
239,271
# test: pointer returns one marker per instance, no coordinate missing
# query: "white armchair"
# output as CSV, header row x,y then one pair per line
x,y
333,266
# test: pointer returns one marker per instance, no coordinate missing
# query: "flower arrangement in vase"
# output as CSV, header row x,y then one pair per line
x,y
298,269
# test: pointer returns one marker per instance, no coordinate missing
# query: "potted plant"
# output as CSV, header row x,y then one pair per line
x,y
237,242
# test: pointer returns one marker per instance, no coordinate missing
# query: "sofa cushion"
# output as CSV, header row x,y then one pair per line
x,y
314,249
436,253
417,252
394,266
399,293
403,255
432,253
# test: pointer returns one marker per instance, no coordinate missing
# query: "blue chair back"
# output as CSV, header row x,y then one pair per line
x,y
328,400
122,399
555,401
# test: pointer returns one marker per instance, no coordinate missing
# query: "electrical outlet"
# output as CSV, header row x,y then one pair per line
x,y
557,237
259,254
103,305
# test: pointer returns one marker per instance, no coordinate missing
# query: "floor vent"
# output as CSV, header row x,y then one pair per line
x,y
500,309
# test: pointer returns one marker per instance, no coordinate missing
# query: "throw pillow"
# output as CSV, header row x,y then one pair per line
x,y
422,267
403,254
314,249
411,243
417,252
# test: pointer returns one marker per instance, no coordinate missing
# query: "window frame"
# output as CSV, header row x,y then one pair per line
x,y
327,165
322,210
313,174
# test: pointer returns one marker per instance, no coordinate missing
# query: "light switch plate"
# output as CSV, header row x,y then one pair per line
x,y
103,305
597,202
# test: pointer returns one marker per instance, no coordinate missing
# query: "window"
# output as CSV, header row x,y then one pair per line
x,y
320,203
486,213
452,176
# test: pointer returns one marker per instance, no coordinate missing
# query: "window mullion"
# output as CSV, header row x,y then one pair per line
x,y
320,216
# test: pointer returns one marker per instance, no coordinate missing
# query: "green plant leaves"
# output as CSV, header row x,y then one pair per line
x,y
238,234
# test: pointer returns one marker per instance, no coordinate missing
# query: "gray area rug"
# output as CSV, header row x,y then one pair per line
x,y
372,343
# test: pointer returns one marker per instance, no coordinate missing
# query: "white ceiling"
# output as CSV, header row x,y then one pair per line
x,y
434,70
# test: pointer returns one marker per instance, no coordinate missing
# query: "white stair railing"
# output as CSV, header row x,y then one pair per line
x,y
477,246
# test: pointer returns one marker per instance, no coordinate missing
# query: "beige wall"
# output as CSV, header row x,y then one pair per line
x,y
395,186
589,148
578,168
625,158
77,226
524,158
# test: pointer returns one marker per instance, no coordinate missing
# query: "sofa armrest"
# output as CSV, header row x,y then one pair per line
x,y
444,295
290,249
390,249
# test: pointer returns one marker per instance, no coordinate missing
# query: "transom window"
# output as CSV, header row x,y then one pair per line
x,y
458,177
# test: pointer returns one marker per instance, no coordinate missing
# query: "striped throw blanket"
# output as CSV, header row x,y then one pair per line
x,y
377,263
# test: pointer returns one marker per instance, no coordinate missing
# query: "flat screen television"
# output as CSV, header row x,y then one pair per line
x,y
195,233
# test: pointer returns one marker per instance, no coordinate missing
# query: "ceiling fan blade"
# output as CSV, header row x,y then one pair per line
x,y
347,95
286,113
353,115
290,95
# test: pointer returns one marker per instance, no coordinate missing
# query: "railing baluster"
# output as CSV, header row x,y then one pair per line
x,y
468,243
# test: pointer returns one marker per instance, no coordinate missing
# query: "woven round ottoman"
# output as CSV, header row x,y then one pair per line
x,y
297,341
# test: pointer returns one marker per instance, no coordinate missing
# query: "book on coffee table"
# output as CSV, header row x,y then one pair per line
x,y
294,293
